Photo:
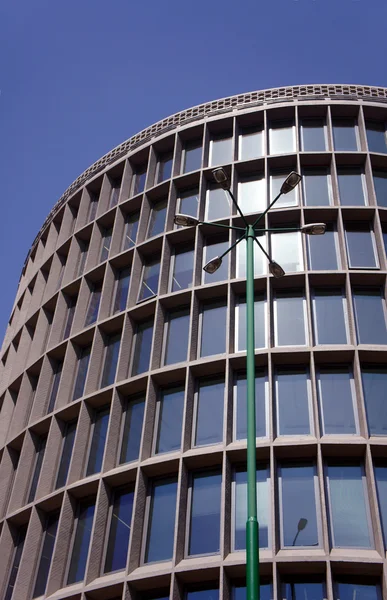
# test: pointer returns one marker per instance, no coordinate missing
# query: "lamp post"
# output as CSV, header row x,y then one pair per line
x,y
250,232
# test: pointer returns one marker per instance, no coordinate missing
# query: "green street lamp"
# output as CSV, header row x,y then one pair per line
x,y
250,233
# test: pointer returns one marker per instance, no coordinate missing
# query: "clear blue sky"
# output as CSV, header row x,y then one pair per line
x,y
79,77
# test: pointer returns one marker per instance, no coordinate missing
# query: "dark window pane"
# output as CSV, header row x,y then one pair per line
x,y
374,388
217,204
49,538
313,135
83,250
204,536
131,438
322,251
380,185
67,450
150,280
157,219
82,368
161,525
240,397
97,448
17,555
209,418
142,347
357,591
55,385
304,591
265,589
177,336
344,135
376,136
122,289
221,150
164,167
336,388
92,207
360,247
211,250
192,156
207,594
348,508
170,420
182,270
317,190
263,506
281,137
114,192
139,178
189,203
259,324
381,486
213,329
299,510
40,450
130,230
351,186
370,316
250,143
94,302
329,318
105,243
81,543
71,304
290,319
292,396
120,525
112,351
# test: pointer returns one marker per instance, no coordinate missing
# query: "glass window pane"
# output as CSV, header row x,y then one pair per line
x,y
287,251
114,192
376,136
260,261
322,250
81,543
112,350
298,506
40,451
238,592
263,507
131,437
209,412
177,332
157,218
336,397
213,335
351,186
240,402
150,279
139,178
210,251
142,347
374,388
182,270
329,317
50,531
259,323
360,247
17,555
282,138
92,206
252,194
83,250
207,594
292,402
357,591
220,150
345,135
71,304
276,181
317,188
381,486
304,591
97,448
370,316
348,508
204,535
82,369
122,289
192,160
289,319
170,420
218,205
161,525
250,143
130,230
67,451
189,203
120,525
380,185
55,385
105,243
164,167
313,135
94,302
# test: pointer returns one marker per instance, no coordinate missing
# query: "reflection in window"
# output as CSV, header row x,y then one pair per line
x,y
57,374
360,246
131,437
209,593
92,207
259,323
292,402
289,318
138,181
112,350
381,487
370,316
150,279
210,251
313,135
192,156
170,408
83,250
161,523
105,244
130,230
204,531
336,393
240,403
260,262
220,150
303,591
218,204
188,202
71,304
348,506
39,456
380,185
265,591
287,250
250,143
17,555
114,192
317,189
240,507
345,135
299,520
164,167
276,181
82,369
67,451
322,250
80,550
119,533
183,260
157,218
122,289
142,347
281,137
50,531
94,302
376,136
351,186
252,194
213,330
177,332
329,316
97,448
374,387
209,412
361,591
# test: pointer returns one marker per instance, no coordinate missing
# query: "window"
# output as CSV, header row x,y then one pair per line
x,y
67,451
281,137
92,206
213,330
381,487
192,156
182,269
207,593
112,351
289,318
252,194
161,523
80,550
336,394
105,244
209,405
292,402
376,136
298,505
94,302
349,521
221,151
218,204
354,591
97,447
360,246
164,167
150,279
71,304
370,317
131,436
329,316
82,369
312,590
17,555
250,143
130,230
119,531
142,347
138,181
157,218
351,186
380,185
287,250
189,202
122,289
313,135
240,507
83,250
265,590
345,135
114,192
259,323
47,551
322,250
169,419
204,533
260,261
374,387
40,447
176,336
210,251
240,405
276,181
57,374
317,186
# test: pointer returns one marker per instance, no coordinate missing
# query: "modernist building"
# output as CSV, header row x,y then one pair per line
x,y
123,419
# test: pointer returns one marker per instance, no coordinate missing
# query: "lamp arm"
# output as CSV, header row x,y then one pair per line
x,y
267,210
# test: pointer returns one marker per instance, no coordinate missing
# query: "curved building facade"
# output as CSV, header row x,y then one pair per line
x,y
123,384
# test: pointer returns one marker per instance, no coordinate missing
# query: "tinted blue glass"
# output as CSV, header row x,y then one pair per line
x,y
304,591
171,408
94,302
205,513
316,190
370,317
130,232
380,185
374,387
134,417
213,329
299,513
290,315
105,245
322,251
209,420
357,591
240,391
46,554
381,485
265,590
139,179
55,385
351,186
161,528
336,402
240,508
165,167
208,594
192,156
81,544
360,249
189,202
210,251
292,403
313,135
177,336
67,450
259,323
143,347
101,422
83,365
344,135
119,533
182,270
121,296
150,280
157,219
376,136
329,320
111,359
21,536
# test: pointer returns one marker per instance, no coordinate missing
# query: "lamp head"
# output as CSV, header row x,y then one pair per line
x,y
314,229
212,265
302,523
185,220
221,177
292,181
276,270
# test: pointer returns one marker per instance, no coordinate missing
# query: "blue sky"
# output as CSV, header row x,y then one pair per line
x,y
79,77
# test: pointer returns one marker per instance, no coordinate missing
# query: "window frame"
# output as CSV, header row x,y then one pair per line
x,y
66,430
314,315
359,289
356,169
96,412
109,340
195,143
137,324
295,369
289,292
336,246
180,250
162,159
155,209
352,385
40,554
136,398
148,263
324,128
355,122
157,422
127,221
217,302
166,330
129,487
87,500
328,172
206,380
